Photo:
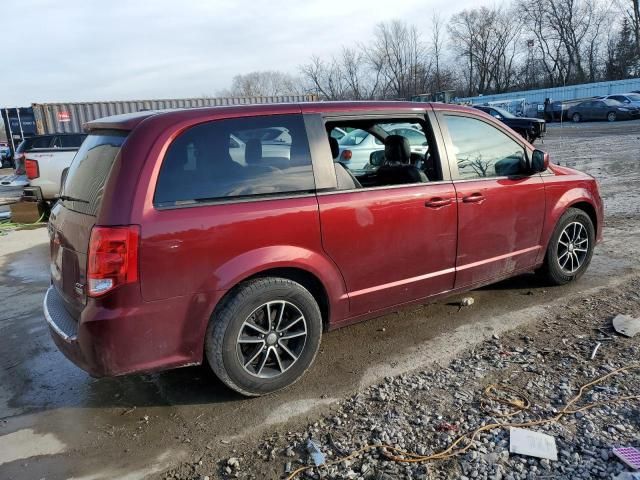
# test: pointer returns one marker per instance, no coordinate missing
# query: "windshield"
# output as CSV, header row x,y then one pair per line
x,y
90,169
356,137
634,97
504,113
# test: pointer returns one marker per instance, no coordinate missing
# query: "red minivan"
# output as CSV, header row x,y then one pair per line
x,y
237,235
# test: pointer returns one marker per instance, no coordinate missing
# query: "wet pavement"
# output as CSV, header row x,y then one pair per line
x,y
58,423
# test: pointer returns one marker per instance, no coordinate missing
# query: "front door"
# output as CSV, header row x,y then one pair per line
x,y
501,211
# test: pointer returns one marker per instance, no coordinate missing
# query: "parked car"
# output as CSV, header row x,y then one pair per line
x,y
338,133
166,252
5,155
357,146
606,109
45,159
530,128
629,99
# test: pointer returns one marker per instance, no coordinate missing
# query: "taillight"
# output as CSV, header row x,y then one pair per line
x,y
113,258
19,162
347,154
31,168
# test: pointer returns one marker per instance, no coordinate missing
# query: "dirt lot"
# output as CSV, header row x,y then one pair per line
x,y
407,376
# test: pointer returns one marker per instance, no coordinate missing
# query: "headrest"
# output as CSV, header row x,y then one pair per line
x,y
335,148
397,149
253,151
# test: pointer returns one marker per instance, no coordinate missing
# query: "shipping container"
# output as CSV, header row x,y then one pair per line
x,y
70,117
18,124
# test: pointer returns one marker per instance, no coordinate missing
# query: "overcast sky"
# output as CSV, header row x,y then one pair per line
x,y
86,50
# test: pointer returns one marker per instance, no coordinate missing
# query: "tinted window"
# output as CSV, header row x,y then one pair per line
x,y
237,158
27,144
482,150
90,169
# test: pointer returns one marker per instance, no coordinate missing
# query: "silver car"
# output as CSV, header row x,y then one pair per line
x,y
629,99
357,146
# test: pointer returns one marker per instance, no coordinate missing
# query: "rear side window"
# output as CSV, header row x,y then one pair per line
x,y
69,141
240,157
89,171
27,144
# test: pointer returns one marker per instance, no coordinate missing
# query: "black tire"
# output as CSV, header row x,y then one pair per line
x,y
612,117
223,334
576,117
552,269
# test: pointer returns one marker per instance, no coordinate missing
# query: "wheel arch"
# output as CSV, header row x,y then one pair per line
x,y
589,209
312,270
575,198
305,278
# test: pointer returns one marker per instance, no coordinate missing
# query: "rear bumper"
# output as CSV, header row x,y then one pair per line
x,y
116,338
33,194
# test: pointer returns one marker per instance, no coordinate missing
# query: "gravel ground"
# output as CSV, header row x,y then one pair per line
x,y
424,412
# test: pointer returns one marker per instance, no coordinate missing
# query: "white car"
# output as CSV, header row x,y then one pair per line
x,y
357,146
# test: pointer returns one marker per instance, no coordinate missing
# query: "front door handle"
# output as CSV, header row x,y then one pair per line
x,y
476,197
437,202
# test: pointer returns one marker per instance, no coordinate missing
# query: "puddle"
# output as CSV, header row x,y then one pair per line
x,y
162,462
26,444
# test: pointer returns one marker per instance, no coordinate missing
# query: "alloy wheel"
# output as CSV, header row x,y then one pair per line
x,y
271,339
573,246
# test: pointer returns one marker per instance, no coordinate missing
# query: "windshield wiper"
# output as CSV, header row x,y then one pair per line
x,y
72,199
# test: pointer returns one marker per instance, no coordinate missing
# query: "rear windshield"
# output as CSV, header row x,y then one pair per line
x,y
88,173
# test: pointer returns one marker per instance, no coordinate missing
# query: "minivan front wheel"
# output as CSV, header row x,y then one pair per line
x,y
570,248
264,336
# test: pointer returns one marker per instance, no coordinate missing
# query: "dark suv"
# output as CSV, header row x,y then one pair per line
x,y
198,235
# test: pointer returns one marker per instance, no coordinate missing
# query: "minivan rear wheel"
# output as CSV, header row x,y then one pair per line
x,y
264,335
570,248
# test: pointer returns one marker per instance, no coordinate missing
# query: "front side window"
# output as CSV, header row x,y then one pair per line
x,y
239,157
482,150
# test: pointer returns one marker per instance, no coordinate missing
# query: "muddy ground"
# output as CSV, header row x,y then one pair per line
x,y
58,423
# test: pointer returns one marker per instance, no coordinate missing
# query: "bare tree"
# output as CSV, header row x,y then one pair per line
x,y
568,34
399,54
264,83
631,9
437,48
487,39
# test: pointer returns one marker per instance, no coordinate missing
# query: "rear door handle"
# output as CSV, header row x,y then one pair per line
x,y
437,202
474,198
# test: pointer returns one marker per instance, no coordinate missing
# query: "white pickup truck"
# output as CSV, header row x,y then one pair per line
x,y
45,164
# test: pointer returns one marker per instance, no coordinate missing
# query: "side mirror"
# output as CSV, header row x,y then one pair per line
x,y
539,161
376,159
